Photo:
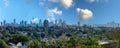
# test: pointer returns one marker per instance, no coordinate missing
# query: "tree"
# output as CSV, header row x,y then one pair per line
x,y
72,41
19,38
114,35
68,35
6,34
42,35
1,35
3,44
33,44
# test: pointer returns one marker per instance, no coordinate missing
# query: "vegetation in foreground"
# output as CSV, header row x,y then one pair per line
x,y
40,37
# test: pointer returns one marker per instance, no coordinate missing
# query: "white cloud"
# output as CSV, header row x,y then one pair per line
x,y
65,3
51,13
35,20
6,3
84,14
78,9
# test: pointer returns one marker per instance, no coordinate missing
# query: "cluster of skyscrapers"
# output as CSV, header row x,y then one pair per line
x,y
44,23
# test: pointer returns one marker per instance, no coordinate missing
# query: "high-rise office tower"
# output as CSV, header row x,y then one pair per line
x,y
1,23
14,21
63,24
40,22
56,22
78,23
4,22
60,22
46,23
25,22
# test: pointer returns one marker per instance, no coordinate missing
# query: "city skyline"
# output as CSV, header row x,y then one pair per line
x,y
42,23
71,11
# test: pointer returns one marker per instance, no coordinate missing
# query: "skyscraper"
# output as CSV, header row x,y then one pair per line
x,y
78,23
1,23
46,23
40,22
56,22
14,21
4,22
31,23
63,24
21,23
60,22
25,22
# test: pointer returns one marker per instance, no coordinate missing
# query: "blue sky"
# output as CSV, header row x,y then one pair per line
x,y
71,11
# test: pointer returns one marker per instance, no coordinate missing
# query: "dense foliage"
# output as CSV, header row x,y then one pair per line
x,y
56,37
